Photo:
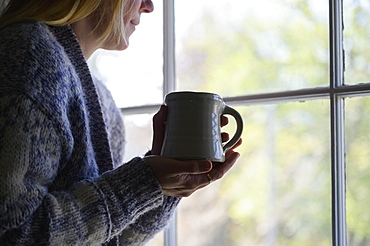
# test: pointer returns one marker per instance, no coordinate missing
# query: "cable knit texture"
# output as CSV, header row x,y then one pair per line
x,y
62,181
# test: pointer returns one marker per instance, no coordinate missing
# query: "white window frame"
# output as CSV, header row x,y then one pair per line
x,y
336,92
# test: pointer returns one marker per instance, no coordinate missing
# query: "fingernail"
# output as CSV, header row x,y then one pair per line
x,y
206,165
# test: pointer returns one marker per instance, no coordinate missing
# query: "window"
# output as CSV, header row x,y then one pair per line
x,y
301,82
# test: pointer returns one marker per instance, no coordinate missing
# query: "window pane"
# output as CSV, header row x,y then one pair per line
x,y
358,171
138,130
135,75
356,41
158,240
279,193
244,47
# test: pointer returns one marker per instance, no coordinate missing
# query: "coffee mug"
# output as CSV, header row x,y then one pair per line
x,y
193,126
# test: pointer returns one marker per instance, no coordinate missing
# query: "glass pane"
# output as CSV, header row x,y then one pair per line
x,y
279,192
358,171
243,47
158,240
135,75
138,130
356,41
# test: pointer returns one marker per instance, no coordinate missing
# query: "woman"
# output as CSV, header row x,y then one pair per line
x,y
62,179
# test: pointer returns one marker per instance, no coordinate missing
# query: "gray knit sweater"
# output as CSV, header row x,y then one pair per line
x,y
62,181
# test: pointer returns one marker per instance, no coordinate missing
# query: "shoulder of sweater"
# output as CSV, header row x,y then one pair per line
x,y
32,62
17,41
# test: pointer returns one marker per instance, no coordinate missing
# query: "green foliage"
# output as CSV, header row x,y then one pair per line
x,y
358,170
257,55
280,192
356,42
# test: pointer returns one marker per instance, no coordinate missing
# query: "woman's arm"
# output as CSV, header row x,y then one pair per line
x,y
89,212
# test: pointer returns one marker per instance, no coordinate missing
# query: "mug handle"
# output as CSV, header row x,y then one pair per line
x,y
239,127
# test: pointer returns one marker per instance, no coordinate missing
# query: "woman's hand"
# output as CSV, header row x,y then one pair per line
x,y
182,178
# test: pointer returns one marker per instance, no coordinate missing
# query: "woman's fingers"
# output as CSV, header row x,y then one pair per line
x,y
189,183
179,178
240,141
182,178
219,170
225,137
174,173
224,120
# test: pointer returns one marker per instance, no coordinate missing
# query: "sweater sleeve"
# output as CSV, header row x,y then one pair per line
x,y
89,212
147,225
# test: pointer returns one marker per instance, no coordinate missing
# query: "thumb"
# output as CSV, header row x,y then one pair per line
x,y
159,126
160,117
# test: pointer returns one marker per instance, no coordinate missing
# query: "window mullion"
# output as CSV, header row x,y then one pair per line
x,y
338,171
169,73
337,124
170,233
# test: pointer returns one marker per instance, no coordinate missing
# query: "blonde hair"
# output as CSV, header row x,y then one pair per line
x,y
64,12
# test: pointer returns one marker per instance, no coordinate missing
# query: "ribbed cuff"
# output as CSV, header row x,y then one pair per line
x,y
130,191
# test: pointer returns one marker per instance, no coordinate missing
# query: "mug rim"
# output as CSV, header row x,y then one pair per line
x,y
192,95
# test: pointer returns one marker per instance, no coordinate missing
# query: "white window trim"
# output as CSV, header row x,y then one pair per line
x,y
337,92
169,84
338,171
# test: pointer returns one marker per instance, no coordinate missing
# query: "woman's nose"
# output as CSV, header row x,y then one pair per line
x,y
147,6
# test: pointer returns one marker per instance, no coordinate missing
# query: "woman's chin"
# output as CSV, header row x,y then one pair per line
x,y
122,45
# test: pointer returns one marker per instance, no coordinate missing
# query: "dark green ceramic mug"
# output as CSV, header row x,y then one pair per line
x,y
193,126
